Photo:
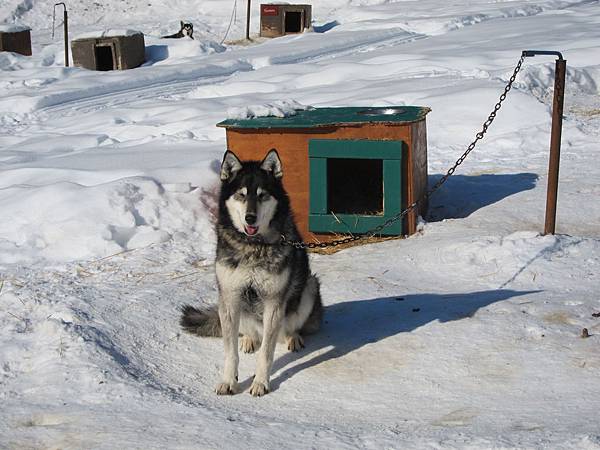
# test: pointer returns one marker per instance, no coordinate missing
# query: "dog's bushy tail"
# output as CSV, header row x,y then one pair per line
x,y
202,322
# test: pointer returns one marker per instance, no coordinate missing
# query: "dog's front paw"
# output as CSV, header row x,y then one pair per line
x,y
227,388
259,388
294,342
247,345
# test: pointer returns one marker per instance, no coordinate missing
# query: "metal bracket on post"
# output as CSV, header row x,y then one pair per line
x,y
65,28
557,117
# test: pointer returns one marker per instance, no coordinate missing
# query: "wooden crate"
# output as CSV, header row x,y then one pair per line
x,y
109,52
15,38
279,19
345,159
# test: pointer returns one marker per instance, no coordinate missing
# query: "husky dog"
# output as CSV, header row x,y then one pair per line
x,y
266,290
187,29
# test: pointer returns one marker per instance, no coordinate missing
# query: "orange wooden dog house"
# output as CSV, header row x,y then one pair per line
x,y
346,170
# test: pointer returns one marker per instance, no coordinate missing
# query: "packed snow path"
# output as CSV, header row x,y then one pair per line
x,y
486,352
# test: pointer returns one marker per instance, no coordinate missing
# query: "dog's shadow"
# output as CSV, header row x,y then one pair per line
x,y
349,326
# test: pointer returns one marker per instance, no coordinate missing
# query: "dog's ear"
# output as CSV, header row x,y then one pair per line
x,y
181,24
272,163
230,166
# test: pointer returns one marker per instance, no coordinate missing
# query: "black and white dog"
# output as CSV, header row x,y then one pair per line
x,y
187,29
267,292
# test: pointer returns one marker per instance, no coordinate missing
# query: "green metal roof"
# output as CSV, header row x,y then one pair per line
x,y
324,117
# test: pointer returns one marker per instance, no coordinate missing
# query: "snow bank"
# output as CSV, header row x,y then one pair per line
x,y
280,108
66,221
177,51
13,28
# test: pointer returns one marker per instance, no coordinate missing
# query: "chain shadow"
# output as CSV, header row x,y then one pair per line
x,y
351,325
462,195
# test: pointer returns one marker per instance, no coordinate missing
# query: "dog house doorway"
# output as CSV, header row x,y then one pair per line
x,y
105,57
293,21
355,186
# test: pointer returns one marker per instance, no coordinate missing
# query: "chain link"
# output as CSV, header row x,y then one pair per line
x,y
436,186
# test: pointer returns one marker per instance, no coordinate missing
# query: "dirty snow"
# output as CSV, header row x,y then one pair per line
x,y
464,336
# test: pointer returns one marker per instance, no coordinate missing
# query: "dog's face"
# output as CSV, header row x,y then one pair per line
x,y
187,29
251,191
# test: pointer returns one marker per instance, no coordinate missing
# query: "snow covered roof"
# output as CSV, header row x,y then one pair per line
x,y
107,33
12,28
290,115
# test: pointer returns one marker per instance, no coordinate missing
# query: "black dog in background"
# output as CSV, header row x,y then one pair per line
x,y
187,29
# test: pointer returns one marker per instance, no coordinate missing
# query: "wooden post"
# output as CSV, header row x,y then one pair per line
x,y
557,116
66,32
248,21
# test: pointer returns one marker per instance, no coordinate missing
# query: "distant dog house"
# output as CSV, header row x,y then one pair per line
x,y
346,170
15,38
279,19
109,50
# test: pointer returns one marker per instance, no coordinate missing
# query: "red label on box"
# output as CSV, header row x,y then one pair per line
x,y
269,10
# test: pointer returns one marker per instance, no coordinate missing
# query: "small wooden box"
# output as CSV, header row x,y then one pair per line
x,y
346,170
15,39
109,52
279,19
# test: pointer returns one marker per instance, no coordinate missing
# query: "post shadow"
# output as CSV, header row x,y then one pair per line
x,y
348,326
462,195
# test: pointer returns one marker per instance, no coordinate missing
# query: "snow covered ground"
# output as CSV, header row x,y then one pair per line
x,y
466,335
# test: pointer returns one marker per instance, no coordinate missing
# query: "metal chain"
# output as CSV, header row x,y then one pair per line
x,y
436,186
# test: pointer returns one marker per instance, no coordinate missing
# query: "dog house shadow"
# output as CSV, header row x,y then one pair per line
x,y
156,53
348,326
462,195
326,26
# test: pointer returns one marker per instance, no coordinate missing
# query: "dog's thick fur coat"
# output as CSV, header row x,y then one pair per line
x,y
186,29
266,290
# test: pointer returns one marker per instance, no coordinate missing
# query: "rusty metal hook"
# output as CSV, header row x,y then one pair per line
x,y
530,53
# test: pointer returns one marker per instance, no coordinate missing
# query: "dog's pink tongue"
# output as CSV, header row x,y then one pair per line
x,y
251,230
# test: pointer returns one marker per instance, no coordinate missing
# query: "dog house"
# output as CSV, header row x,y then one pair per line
x,y
15,38
109,50
346,170
279,19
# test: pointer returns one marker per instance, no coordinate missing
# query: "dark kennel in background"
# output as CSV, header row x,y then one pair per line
x,y
15,39
278,19
118,52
